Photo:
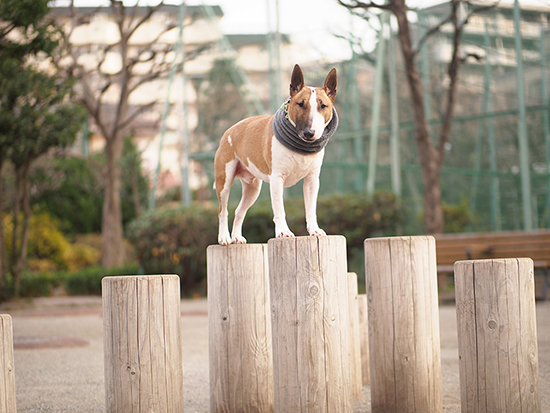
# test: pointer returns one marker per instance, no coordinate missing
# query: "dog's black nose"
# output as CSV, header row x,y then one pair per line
x,y
308,134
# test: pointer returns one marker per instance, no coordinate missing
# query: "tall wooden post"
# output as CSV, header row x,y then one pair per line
x,y
497,336
142,343
310,320
7,374
355,344
364,337
401,280
241,366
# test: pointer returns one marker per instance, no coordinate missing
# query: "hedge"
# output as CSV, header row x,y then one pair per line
x,y
173,240
83,282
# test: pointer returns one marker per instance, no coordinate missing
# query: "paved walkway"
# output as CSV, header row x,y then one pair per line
x,y
59,355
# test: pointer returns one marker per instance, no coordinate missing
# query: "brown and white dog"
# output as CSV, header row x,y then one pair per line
x,y
280,149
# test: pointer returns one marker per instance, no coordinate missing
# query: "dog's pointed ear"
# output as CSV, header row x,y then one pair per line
x,y
331,84
296,80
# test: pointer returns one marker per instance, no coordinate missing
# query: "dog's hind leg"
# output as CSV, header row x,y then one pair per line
x,y
251,190
225,175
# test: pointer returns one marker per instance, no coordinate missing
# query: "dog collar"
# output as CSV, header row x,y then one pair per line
x,y
285,132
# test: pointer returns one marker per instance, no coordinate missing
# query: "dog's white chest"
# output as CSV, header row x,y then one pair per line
x,y
293,166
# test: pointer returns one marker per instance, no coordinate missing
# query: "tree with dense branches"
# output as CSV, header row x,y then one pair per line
x,y
431,154
106,93
36,112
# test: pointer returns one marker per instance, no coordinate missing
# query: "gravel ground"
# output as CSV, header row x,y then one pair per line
x,y
50,378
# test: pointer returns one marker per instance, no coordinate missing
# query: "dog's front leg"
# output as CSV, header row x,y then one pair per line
x,y
276,188
311,190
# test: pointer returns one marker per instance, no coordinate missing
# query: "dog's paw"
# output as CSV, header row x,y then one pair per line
x,y
316,232
239,240
285,234
224,239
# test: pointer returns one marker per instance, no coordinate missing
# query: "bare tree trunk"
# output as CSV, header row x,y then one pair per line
x,y
112,247
3,263
20,256
135,191
15,217
430,160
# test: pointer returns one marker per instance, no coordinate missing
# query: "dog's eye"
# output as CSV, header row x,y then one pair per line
x,y
323,106
301,104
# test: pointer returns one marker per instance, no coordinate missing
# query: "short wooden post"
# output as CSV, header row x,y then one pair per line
x,y
364,337
401,280
497,336
142,344
7,379
241,366
310,319
357,380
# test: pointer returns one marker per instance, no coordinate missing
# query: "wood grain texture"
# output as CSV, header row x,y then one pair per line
x,y
363,306
497,341
142,343
7,371
311,320
356,364
404,346
241,366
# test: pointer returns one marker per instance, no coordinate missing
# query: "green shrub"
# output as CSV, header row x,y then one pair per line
x,y
33,285
174,240
46,241
71,189
457,217
39,285
88,280
79,256
352,215
48,249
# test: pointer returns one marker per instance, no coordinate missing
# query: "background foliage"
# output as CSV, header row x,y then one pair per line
x,y
173,240
71,189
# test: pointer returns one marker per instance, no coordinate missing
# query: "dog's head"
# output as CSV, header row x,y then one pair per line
x,y
310,108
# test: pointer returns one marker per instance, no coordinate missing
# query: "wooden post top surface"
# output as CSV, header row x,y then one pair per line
x,y
527,260
109,278
236,246
276,240
304,237
398,238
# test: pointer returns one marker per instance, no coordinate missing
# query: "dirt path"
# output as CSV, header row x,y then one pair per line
x,y
68,376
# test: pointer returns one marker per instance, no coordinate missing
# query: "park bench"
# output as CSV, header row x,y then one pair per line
x,y
509,244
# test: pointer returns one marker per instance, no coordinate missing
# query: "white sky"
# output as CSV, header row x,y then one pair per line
x,y
312,21
307,21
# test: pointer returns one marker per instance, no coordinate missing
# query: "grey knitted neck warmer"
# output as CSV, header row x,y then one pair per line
x,y
285,132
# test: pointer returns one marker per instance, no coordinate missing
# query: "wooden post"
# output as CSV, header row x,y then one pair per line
x,y
355,344
497,336
241,366
401,280
7,378
364,337
310,320
142,343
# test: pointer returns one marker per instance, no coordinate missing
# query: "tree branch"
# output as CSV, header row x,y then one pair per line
x,y
356,4
477,10
139,111
150,11
449,19
432,31
453,77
